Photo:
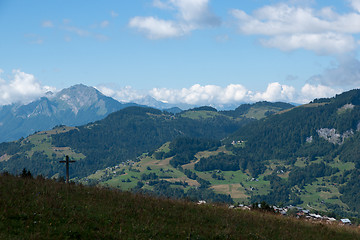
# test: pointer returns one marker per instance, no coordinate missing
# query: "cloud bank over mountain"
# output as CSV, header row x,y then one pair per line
x,y
24,87
236,93
231,94
20,87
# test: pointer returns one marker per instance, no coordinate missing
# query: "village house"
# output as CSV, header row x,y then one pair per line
x,y
345,221
301,213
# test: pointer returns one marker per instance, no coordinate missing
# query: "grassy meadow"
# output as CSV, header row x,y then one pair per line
x,y
45,209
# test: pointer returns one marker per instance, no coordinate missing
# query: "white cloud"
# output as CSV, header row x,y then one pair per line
x,y
21,87
47,24
78,31
283,19
81,32
104,24
126,94
327,43
196,12
114,14
355,4
233,93
275,92
292,27
310,92
24,87
218,96
236,94
199,95
191,15
162,5
346,74
157,28
24,83
70,29
222,38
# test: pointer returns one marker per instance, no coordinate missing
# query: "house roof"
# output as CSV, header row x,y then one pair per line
x,y
345,220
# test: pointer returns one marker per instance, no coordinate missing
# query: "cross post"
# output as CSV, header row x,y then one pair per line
x,y
67,161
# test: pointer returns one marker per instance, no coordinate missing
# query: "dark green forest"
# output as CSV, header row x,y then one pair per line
x,y
123,135
284,137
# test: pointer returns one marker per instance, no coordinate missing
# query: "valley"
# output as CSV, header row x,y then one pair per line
x,y
321,195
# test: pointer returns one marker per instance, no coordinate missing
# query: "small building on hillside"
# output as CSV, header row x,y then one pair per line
x,y
345,221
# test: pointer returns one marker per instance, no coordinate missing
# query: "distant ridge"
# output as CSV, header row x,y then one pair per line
x,y
152,102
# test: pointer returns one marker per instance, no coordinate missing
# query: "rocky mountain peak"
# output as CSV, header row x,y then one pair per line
x,y
79,96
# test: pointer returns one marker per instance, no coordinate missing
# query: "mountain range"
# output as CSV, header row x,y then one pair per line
x,y
72,106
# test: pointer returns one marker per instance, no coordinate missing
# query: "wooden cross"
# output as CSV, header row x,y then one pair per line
x,y
67,161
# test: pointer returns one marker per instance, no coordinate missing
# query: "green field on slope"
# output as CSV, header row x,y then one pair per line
x,y
45,209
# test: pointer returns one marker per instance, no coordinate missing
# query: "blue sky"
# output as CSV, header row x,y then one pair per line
x,y
205,52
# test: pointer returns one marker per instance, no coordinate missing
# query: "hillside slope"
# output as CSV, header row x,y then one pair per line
x,y
44,209
121,136
259,110
316,143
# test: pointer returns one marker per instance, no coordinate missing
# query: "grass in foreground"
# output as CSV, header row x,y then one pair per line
x,y
44,209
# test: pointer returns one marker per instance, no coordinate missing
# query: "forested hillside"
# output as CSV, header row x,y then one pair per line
x,y
322,124
324,128
123,135
133,131
258,110
319,135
